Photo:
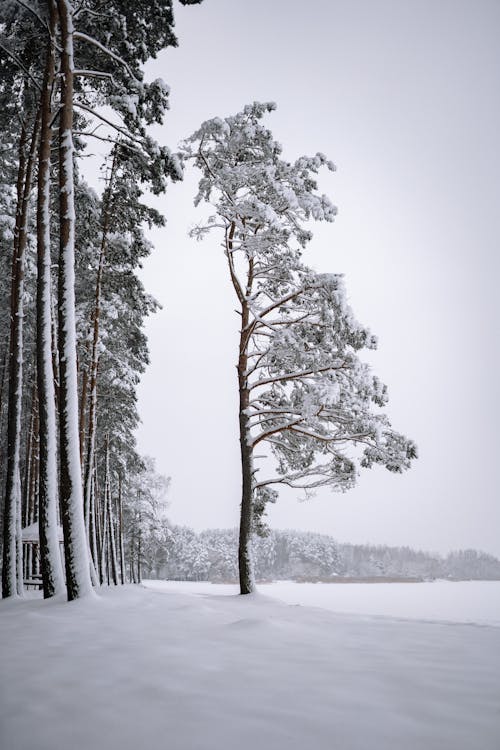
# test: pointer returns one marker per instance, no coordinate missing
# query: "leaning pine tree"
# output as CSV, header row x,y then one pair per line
x,y
302,388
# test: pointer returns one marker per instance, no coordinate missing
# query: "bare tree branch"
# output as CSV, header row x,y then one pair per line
x,y
33,12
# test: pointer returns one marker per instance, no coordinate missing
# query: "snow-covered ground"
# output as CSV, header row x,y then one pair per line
x,y
456,601
156,667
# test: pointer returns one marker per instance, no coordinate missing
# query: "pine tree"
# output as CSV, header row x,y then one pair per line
x,y
302,388
61,63
52,573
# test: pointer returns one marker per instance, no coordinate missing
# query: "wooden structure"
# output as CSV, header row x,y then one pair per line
x,y
31,554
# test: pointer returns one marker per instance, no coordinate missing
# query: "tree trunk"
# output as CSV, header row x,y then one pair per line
x,y
33,487
139,550
132,552
120,531
94,360
50,558
83,410
4,372
12,570
98,521
112,542
28,464
112,562
104,568
247,582
94,547
71,495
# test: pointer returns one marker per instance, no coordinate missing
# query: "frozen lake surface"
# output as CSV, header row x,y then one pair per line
x,y
448,601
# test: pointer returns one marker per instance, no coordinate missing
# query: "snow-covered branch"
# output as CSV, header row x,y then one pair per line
x,y
295,375
111,124
91,40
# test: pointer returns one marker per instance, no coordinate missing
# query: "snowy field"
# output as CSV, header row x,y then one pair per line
x,y
182,667
455,601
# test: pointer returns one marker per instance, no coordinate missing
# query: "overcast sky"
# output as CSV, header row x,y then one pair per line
x,y
403,95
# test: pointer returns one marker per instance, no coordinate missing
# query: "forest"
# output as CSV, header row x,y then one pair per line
x,y
78,502
179,553
191,375
72,304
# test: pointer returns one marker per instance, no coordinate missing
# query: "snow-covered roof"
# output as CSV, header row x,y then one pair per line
x,y
30,533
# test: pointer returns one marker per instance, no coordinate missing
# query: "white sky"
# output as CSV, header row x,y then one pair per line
x,y
403,96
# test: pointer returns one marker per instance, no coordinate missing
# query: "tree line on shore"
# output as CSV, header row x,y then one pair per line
x,y
179,553
174,552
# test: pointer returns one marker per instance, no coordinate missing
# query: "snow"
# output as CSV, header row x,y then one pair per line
x,y
77,556
473,602
158,667
30,533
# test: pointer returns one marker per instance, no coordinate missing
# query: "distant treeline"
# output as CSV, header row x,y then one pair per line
x,y
179,553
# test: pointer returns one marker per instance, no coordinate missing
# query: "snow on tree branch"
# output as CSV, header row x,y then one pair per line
x,y
303,388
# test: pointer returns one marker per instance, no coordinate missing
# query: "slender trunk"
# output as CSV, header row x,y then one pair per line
x,y
112,542
83,410
50,558
94,360
247,582
12,570
138,550
28,465
112,563
139,553
105,539
120,530
2,432
35,468
78,579
92,529
132,552
55,352
97,521
4,372
245,560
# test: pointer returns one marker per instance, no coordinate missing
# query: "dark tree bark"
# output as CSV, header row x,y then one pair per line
x,y
104,567
247,584
78,579
245,562
90,379
93,529
112,542
33,486
112,562
12,569
3,376
28,464
50,559
120,530
83,410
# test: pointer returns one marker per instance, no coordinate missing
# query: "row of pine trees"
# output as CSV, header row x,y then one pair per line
x,y
72,307
73,344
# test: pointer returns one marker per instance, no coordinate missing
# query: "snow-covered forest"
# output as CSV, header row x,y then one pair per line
x,y
108,604
74,305
179,553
